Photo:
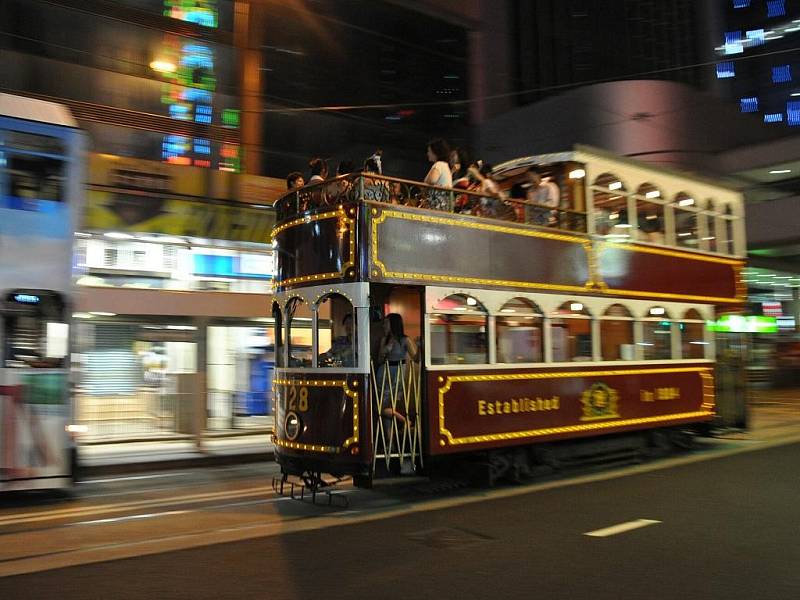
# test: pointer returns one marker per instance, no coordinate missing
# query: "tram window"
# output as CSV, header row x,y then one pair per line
x,y
650,214
616,334
610,207
693,342
459,336
711,226
657,335
277,318
728,222
571,333
687,221
298,319
337,341
519,332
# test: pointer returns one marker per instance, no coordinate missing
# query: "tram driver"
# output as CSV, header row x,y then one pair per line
x,y
341,353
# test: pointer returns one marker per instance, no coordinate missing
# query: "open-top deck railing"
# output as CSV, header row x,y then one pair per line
x,y
358,187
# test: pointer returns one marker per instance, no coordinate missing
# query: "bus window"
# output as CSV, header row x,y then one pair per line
x,y
657,335
36,332
277,318
298,320
34,166
616,334
571,333
519,332
693,344
336,332
458,332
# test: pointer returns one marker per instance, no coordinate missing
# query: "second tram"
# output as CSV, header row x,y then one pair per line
x,y
576,320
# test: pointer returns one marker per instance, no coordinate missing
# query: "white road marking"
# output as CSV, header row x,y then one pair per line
x,y
621,528
133,478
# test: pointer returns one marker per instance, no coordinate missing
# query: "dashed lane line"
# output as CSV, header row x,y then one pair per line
x,y
621,528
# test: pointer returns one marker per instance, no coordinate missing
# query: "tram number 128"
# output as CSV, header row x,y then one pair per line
x,y
298,401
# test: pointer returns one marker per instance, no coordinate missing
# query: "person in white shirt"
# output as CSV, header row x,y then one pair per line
x,y
544,192
439,174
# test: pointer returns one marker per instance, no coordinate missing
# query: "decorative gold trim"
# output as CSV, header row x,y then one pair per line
x,y
706,406
585,243
673,253
594,283
346,226
353,394
668,296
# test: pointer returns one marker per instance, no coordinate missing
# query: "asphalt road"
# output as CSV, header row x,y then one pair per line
x,y
723,528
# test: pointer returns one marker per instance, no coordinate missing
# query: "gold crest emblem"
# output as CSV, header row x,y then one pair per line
x,y
599,402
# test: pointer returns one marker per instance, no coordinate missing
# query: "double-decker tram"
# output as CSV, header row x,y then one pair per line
x,y
41,179
438,331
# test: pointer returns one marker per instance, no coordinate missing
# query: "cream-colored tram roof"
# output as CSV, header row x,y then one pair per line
x,y
633,173
32,109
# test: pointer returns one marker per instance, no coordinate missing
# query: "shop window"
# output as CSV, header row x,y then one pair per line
x,y
616,334
277,333
687,221
298,321
610,208
519,332
571,333
650,214
336,334
458,328
657,335
693,343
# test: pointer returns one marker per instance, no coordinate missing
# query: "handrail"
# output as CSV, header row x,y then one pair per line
x,y
361,187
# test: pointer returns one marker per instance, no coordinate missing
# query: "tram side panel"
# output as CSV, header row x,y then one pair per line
x,y
319,425
478,410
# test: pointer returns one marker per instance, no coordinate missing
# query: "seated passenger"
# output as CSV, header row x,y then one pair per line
x,y
341,352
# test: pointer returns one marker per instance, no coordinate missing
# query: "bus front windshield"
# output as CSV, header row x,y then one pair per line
x,y
35,330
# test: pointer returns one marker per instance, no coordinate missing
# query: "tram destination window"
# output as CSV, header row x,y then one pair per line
x,y
336,332
458,331
519,332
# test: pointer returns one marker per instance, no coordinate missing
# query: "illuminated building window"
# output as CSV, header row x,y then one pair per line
x,y
741,3
202,113
230,117
793,113
755,37
776,8
773,118
725,70
202,12
749,104
733,42
202,146
781,74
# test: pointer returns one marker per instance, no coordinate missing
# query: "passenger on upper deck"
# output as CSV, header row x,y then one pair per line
x,y
319,170
375,189
439,174
544,192
459,171
492,204
294,181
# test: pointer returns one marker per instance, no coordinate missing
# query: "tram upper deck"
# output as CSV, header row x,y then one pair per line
x,y
620,228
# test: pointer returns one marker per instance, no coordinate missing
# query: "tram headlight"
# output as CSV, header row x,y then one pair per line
x,y
292,426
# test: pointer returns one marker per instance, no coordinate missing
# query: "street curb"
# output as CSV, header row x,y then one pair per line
x,y
167,464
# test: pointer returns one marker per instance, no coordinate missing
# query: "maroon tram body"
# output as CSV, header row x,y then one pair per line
x,y
374,252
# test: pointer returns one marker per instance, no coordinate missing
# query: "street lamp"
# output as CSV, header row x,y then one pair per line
x,y
163,66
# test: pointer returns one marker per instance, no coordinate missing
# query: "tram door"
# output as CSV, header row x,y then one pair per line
x,y
396,334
